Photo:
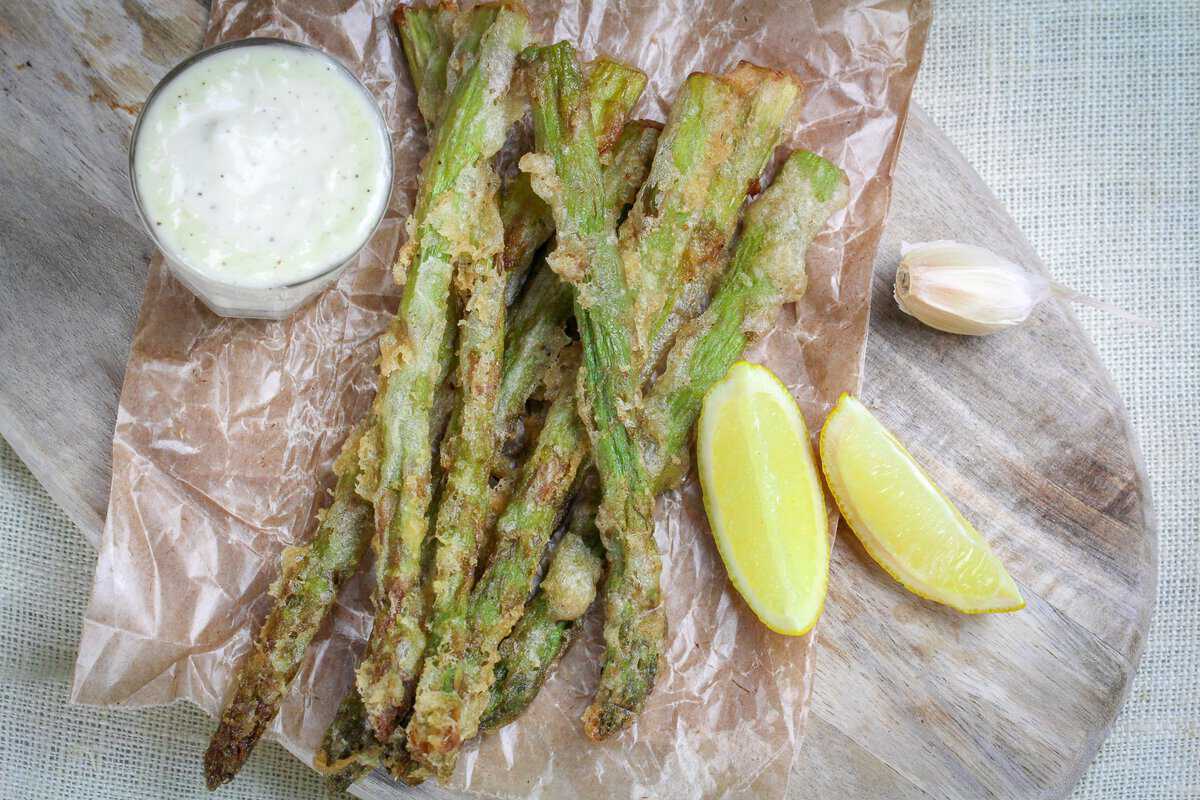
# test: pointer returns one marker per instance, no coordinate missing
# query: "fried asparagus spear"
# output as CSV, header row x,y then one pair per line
x,y
566,173
452,691
651,251
538,328
447,709
676,244
348,750
305,592
535,334
767,271
675,241
455,221
436,59
467,458
462,514
528,224
471,450
709,127
427,36
551,619
427,39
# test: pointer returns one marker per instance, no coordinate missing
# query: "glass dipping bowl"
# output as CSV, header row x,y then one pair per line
x,y
231,299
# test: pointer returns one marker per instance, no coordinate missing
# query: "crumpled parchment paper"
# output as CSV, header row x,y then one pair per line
x,y
227,428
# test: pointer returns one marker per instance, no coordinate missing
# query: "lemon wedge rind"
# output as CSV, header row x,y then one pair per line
x,y
1004,597
782,573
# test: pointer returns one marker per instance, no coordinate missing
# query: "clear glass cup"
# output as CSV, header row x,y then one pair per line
x,y
231,300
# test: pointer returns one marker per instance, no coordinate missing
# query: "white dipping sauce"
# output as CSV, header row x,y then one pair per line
x,y
262,166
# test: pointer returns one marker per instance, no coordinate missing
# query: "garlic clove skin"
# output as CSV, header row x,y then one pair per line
x,y
964,289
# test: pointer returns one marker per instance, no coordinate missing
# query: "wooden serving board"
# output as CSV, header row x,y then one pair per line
x,y
1024,429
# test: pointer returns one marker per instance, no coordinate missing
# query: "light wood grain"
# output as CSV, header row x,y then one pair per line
x,y
1024,429
72,253
1026,432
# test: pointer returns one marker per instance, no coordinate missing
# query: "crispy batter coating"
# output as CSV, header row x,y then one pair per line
x,y
539,639
456,221
767,271
304,593
568,176
467,505
453,690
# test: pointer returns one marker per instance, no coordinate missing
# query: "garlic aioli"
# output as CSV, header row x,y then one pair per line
x,y
262,165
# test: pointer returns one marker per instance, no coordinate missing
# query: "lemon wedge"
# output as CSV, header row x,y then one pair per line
x,y
904,521
762,492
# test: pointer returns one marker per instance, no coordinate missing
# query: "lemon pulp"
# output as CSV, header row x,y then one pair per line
x,y
762,492
904,521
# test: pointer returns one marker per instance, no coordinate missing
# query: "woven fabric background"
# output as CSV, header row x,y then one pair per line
x,y
1084,117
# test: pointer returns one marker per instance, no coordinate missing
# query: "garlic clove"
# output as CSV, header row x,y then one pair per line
x,y
964,289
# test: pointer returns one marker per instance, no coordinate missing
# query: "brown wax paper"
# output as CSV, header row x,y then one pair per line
x,y
227,428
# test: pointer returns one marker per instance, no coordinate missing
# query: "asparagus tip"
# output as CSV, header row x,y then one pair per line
x,y
224,757
602,719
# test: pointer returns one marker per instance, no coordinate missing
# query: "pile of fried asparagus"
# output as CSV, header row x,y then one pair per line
x,y
558,328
